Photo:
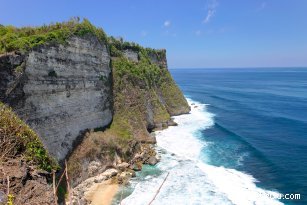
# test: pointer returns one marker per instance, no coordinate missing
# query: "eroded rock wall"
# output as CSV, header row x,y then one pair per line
x,y
60,90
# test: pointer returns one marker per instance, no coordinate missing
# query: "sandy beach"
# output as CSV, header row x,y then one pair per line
x,y
102,193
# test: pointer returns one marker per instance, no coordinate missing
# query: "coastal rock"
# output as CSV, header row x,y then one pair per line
x,y
171,122
110,173
136,166
150,140
124,177
145,156
132,172
164,125
138,156
158,127
152,160
96,179
93,168
123,165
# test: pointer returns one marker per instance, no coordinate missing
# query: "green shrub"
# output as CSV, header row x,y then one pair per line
x,y
114,52
143,71
25,38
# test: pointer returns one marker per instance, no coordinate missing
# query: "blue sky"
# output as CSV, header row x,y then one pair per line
x,y
196,33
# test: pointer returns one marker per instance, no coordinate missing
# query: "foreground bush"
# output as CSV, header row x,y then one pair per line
x,y
18,140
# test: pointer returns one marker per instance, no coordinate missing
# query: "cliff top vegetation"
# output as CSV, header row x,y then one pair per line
x,y
26,38
118,45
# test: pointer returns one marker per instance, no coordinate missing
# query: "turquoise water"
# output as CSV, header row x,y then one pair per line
x,y
245,138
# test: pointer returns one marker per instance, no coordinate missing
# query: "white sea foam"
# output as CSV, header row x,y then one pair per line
x,y
181,139
192,181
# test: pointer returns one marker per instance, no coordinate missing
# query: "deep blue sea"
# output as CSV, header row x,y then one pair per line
x,y
246,137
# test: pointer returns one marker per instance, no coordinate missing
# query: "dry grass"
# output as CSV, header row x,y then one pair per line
x,y
17,139
98,146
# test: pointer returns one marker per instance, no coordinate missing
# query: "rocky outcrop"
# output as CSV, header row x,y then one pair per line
x,y
119,174
79,192
131,55
60,90
152,97
159,58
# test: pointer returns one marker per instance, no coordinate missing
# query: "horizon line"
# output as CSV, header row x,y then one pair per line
x,y
262,67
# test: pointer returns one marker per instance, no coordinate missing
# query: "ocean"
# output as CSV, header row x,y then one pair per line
x,y
244,142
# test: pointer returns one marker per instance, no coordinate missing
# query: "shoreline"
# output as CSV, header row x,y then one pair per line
x,y
105,187
204,182
157,149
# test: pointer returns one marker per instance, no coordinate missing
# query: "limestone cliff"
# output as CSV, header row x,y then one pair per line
x,y
60,90
145,97
145,89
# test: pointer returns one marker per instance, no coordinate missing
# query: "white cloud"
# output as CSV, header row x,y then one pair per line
x,y
168,31
167,23
209,15
211,10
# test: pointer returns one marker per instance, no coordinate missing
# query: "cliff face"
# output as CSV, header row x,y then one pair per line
x,y
60,90
145,97
153,93
71,78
